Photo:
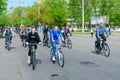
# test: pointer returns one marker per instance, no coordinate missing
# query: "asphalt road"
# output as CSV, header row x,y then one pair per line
x,y
81,62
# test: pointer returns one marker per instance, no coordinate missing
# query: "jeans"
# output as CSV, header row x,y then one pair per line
x,y
7,38
54,44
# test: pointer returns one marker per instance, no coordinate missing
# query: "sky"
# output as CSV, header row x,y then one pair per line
x,y
16,3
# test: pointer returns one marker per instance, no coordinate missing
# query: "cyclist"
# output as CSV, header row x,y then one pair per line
x,y
45,33
100,30
66,32
8,35
32,37
23,33
54,40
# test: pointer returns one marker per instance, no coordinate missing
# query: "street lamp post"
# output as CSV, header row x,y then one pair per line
x,y
21,11
83,16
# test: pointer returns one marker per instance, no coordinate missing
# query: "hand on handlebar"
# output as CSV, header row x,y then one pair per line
x,y
63,39
27,43
39,43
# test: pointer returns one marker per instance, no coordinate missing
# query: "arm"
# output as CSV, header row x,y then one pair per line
x,y
28,37
106,32
61,36
70,33
97,32
52,36
38,38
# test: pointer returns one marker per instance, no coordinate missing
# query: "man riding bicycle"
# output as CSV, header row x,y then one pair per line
x,y
54,40
32,37
8,36
100,30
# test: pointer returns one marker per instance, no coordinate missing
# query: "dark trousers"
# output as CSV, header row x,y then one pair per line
x,y
98,39
30,48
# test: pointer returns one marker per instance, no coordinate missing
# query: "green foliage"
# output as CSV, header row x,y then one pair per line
x,y
3,6
4,19
57,11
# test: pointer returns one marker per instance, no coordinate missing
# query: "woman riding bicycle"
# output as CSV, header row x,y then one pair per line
x,y
32,37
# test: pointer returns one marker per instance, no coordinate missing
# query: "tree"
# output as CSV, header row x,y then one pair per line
x,y
4,20
58,11
75,10
3,5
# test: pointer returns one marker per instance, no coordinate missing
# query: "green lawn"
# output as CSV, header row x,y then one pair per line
x,y
79,32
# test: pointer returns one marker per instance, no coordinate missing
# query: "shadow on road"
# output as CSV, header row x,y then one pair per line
x,y
101,53
93,52
88,64
38,61
12,48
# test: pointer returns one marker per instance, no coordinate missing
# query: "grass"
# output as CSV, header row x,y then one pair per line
x,y
79,32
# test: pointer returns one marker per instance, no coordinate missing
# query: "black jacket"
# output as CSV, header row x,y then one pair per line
x,y
33,38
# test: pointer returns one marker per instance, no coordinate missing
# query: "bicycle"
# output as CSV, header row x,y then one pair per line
x,y
103,46
67,43
24,43
46,42
8,44
33,55
59,56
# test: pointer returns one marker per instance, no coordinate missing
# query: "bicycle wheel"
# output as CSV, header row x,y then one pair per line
x,y
69,43
96,49
60,57
33,61
8,46
48,44
106,50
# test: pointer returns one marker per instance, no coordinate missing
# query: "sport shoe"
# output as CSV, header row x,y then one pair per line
x,y
28,62
53,58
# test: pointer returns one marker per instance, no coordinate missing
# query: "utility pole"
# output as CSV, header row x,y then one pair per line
x,y
83,16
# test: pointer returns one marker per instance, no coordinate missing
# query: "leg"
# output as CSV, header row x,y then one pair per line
x,y
98,41
6,40
43,38
54,48
29,56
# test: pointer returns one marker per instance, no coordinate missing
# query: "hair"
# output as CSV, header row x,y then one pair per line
x,y
33,27
46,23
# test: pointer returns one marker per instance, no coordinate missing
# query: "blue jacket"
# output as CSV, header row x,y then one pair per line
x,y
101,31
54,35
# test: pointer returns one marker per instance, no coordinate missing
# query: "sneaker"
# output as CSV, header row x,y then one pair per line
x,y
28,62
53,58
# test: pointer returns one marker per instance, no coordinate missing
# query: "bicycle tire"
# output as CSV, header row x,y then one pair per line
x,y
8,46
33,61
24,43
106,48
97,50
69,44
59,55
48,44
